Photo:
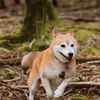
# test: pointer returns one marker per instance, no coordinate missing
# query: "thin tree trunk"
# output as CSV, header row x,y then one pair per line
x,y
55,3
17,2
98,3
2,4
51,12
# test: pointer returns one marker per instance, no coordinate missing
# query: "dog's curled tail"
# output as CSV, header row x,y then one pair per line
x,y
28,59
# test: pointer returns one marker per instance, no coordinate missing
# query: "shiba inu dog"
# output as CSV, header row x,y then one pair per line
x,y
53,67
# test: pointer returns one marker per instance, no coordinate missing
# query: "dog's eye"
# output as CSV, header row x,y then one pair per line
x,y
62,45
72,45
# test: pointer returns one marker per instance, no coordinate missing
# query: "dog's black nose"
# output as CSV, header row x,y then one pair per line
x,y
70,54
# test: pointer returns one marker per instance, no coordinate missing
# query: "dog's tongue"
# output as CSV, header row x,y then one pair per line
x,y
69,58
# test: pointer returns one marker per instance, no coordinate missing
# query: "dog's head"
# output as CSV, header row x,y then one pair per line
x,y
64,46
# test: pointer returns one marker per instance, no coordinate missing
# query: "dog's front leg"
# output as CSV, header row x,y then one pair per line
x,y
61,88
46,85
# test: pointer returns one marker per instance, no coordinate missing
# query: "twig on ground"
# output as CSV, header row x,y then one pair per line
x,y
87,59
10,80
97,84
9,70
30,45
4,49
93,62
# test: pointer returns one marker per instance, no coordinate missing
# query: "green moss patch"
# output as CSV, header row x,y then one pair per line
x,y
78,98
91,50
83,35
8,75
4,43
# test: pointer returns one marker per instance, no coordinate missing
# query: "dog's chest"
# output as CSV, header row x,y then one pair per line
x,y
53,74
53,71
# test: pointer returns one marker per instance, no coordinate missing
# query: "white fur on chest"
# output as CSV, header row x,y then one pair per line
x,y
56,69
53,76
53,73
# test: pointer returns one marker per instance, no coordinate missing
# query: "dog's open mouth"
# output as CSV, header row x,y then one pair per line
x,y
68,58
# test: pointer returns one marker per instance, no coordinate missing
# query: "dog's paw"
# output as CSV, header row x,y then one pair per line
x,y
57,94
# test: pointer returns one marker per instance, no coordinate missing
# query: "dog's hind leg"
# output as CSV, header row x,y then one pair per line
x,y
33,82
33,88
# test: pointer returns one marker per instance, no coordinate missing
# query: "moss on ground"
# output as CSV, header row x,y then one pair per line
x,y
5,43
91,50
8,75
78,98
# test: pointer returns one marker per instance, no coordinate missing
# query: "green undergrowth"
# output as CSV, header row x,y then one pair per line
x,y
75,81
96,71
91,50
83,35
8,75
78,98
5,43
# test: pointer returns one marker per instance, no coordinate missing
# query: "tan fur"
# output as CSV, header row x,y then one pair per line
x,y
45,66
28,59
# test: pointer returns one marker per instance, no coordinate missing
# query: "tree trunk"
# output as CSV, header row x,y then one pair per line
x,y
98,3
2,4
17,2
51,12
55,3
34,24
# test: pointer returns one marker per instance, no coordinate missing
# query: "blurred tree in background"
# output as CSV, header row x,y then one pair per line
x,y
34,24
17,1
2,4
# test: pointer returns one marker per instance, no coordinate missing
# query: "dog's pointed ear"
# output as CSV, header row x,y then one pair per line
x,y
71,32
55,33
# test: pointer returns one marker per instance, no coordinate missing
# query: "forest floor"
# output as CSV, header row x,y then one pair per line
x,y
86,83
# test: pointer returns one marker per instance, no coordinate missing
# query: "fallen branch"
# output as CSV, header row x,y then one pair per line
x,y
79,18
11,61
4,49
85,59
93,62
22,86
89,84
11,80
